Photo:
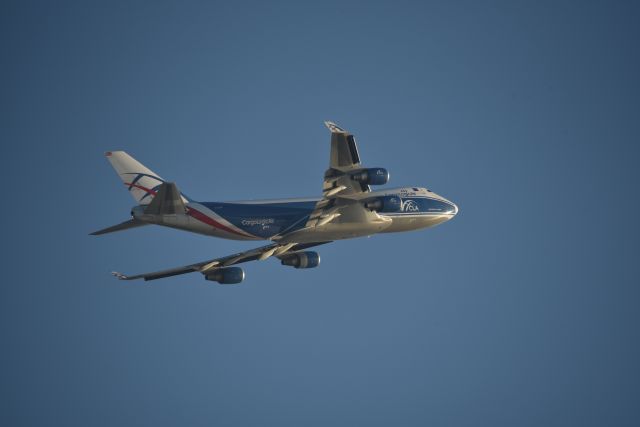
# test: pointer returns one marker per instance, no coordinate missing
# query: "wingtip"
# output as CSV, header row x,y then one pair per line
x,y
112,152
120,276
334,128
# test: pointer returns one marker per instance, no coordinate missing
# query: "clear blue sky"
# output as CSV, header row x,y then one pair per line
x,y
523,310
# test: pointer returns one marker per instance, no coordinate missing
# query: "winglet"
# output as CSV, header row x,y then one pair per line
x,y
334,128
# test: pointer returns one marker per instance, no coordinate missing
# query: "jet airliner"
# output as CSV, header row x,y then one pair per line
x,y
348,208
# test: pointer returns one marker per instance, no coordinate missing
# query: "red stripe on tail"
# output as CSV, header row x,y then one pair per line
x,y
148,190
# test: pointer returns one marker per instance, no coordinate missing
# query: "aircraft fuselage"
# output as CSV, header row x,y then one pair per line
x,y
284,220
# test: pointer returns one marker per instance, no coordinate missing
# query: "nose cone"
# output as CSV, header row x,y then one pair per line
x,y
449,207
442,206
452,209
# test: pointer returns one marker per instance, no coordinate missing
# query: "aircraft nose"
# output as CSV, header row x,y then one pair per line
x,y
452,208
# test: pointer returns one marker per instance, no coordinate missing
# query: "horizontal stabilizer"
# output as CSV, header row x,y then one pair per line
x,y
167,201
132,223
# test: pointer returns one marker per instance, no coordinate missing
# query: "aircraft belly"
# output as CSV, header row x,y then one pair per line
x,y
414,222
335,231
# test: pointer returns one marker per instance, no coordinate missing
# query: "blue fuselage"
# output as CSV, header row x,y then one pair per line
x,y
264,219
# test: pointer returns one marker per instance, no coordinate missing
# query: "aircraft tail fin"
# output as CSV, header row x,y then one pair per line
x,y
168,201
142,183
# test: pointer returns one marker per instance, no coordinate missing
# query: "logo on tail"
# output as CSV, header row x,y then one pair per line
x,y
148,191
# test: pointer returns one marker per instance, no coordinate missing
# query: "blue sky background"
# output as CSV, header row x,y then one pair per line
x,y
523,310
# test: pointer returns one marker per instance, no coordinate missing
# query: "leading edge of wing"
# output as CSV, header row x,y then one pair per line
x,y
226,261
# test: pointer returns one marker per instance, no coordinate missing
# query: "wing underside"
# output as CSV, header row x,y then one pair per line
x,y
338,187
208,266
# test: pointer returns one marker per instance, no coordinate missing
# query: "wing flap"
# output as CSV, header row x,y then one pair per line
x,y
344,150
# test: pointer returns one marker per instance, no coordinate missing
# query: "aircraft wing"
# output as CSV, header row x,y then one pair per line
x,y
208,266
338,188
343,159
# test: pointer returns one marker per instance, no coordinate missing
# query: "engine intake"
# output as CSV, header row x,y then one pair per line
x,y
302,259
371,176
384,204
226,276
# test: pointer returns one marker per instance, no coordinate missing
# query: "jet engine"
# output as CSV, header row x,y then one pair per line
x,y
384,204
302,259
226,276
371,176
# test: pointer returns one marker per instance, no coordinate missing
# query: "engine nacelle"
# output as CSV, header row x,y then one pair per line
x,y
302,259
226,276
371,176
384,204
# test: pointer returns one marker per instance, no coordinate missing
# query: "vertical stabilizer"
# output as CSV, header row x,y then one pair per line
x,y
142,183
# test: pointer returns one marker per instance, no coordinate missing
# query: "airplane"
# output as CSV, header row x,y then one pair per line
x,y
348,208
